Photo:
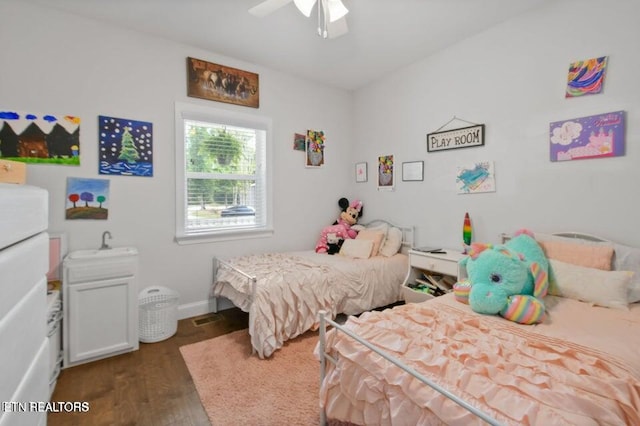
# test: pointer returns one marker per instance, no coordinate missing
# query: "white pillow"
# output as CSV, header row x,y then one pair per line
x,y
625,258
359,249
393,242
380,226
603,288
373,235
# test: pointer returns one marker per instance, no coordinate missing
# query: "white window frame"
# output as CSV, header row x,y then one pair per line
x,y
188,111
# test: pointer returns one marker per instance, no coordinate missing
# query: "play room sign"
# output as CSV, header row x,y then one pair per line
x,y
464,137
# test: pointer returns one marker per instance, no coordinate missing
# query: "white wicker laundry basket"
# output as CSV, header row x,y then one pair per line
x,y
158,316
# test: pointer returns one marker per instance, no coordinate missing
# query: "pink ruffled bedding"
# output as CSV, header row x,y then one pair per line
x,y
580,367
293,287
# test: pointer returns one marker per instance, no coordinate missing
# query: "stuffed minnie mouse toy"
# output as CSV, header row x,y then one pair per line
x,y
332,236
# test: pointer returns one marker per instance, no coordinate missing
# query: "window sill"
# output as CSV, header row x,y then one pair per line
x,y
214,237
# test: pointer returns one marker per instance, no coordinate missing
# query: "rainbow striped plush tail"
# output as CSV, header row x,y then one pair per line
x,y
461,291
524,309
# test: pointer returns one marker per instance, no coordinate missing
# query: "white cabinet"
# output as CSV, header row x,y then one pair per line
x,y
100,304
24,348
441,269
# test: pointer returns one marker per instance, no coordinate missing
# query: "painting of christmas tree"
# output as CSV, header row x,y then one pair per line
x,y
126,147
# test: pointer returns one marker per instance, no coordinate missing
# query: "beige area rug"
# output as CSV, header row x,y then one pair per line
x,y
238,388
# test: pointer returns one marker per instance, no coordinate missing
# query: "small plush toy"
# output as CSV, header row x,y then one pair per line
x,y
331,237
508,279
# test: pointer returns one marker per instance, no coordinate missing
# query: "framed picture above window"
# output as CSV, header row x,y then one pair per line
x,y
361,172
220,83
413,171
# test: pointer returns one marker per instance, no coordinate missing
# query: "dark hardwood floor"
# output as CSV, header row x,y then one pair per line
x,y
151,386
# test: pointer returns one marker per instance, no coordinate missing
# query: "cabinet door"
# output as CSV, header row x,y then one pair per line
x,y
103,318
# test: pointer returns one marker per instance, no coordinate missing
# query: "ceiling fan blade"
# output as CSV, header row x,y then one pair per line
x,y
266,7
337,28
305,6
336,10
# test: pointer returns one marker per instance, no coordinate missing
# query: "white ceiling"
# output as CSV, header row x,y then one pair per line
x,y
384,35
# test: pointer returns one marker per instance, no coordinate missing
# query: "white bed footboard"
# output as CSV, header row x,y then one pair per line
x,y
219,263
324,357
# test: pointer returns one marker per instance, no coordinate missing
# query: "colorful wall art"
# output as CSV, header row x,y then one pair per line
x,y
475,178
299,141
87,198
315,148
596,136
40,138
126,147
385,172
586,77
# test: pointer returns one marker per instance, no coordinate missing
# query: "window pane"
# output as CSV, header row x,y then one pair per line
x,y
220,202
215,148
225,177
222,165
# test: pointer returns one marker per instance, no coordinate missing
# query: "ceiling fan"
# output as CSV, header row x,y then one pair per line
x,y
332,20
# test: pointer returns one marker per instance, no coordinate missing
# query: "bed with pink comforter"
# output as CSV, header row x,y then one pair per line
x,y
580,367
291,289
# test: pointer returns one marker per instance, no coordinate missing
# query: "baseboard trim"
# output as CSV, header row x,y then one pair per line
x,y
203,307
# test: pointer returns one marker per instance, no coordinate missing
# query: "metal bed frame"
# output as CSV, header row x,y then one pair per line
x,y
324,356
407,244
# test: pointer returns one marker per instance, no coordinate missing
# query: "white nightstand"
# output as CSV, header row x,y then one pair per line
x,y
433,264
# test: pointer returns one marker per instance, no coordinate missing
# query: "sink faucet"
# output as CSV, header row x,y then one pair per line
x,y
104,245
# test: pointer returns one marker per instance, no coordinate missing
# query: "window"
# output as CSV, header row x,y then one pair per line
x,y
222,189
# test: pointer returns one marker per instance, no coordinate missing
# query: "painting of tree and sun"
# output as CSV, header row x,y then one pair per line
x,y
87,198
126,147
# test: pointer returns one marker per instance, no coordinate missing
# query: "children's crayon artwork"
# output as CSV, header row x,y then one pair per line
x,y
475,178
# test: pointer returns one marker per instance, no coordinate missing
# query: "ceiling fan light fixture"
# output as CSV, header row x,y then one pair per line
x,y
335,10
305,6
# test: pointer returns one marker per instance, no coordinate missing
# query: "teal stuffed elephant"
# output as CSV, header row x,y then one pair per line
x,y
508,279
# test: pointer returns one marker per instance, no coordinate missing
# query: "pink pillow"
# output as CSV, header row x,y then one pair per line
x,y
589,256
375,236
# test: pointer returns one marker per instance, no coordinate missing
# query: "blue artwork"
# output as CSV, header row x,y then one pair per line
x,y
477,177
126,147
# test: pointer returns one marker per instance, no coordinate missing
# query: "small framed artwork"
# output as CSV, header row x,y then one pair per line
x,y
361,172
87,198
413,171
475,178
586,77
299,141
385,172
315,148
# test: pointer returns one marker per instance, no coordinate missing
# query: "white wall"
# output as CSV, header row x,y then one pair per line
x,y
511,78
62,64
